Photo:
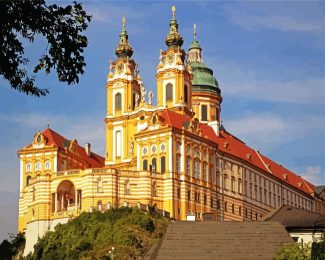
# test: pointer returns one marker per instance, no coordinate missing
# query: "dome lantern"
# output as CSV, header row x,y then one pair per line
x,y
124,49
173,38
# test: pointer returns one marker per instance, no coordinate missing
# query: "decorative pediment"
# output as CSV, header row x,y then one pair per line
x,y
39,140
73,146
118,84
194,126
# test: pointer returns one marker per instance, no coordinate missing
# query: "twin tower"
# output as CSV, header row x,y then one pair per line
x,y
184,85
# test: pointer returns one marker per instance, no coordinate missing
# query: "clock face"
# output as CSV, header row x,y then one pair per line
x,y
170,58
119,68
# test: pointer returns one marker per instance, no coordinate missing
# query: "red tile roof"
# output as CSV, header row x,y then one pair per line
x,y
174,119
57,140
230,144
239,149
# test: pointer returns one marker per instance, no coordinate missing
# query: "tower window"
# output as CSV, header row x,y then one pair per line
x,y
185,94
204,113
169,92
118,101
163,164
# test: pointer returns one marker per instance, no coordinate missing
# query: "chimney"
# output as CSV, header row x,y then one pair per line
x,y
87,148
215,126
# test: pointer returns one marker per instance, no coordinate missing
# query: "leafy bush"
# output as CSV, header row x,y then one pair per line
x,y
294,252
91,235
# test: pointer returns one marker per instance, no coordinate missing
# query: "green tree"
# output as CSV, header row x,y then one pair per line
x,y
62,28
294,252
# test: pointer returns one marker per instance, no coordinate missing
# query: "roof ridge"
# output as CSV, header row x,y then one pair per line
x,y
51,132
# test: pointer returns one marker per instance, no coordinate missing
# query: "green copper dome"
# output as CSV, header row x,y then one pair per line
x,y
203,79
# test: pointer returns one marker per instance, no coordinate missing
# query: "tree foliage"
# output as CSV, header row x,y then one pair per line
x,y
62,28
294,252
91,235
12,248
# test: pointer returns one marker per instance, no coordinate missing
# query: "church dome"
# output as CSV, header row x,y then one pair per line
x,y
203,79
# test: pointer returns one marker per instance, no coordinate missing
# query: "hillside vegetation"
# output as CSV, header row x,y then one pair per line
x,y
92,235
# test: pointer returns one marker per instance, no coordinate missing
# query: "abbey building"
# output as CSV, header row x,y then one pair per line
x,y
169,150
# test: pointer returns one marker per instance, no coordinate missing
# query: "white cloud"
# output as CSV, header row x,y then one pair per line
x,y
314,174
89,128
245,83
276,22
270,130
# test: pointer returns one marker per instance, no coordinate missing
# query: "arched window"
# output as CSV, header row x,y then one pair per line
x,y
169,92
185,94
239,210
153,164
233,208
28,180
118,101
218,204
226,207
145,165
163,164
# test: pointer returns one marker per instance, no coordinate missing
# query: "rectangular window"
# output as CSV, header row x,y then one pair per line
x,y
233,184
205,199
210,172
196,169
188,165
163,164
240,186
204,113
178,164
204,171
189,195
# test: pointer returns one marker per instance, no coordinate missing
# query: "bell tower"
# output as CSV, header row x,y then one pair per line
x,y
122,81
174,87
206,94
123,92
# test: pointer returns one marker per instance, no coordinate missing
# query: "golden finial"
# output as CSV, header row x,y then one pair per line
x,y
123,21
194,28
173,11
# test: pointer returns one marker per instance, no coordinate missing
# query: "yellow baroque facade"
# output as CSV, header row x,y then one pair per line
x,y
174,154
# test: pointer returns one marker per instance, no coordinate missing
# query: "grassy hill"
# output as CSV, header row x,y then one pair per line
x,y
92,235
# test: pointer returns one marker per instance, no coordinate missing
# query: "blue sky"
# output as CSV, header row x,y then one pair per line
x,y
268,57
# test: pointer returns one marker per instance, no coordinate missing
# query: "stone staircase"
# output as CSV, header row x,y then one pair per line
x,y
220,240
